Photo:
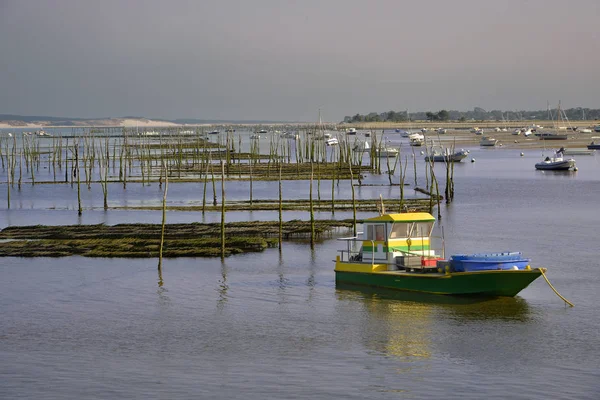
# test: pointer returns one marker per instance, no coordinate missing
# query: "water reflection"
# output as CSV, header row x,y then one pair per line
x,y
470,307
312,265
160,278
163,299
311,281
223,286
162,291
391,327
403,324
282,281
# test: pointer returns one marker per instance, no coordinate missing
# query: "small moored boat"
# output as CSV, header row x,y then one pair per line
x,y
556,163
386,152
593,146
552,136
488,261
331,141
416,141
446,156
487,141
289,135
395,251
579,152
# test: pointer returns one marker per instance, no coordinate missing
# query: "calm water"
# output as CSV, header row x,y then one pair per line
x,y
274,325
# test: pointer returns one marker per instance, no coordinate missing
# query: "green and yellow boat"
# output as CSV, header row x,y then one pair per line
x,y
395,251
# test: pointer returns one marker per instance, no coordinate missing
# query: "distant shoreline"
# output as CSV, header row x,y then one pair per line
x,y
412,125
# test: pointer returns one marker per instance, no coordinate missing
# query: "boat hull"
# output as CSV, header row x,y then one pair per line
x,y
552,136
556,165
457,157
481,283
387,153
579,152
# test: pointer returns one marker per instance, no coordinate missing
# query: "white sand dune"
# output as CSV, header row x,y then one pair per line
x,y
113,122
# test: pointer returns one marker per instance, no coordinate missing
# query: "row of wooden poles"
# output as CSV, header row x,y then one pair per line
x,y
173,155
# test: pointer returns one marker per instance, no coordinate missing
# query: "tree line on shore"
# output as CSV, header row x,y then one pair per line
x,y
478,114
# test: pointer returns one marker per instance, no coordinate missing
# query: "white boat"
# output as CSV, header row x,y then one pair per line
x,y
477,131
361,146
386,152
584,130
597,128
416,135
331,142
289,135
351,131
487,141
556,164
416,141
323,136
441,131
446,156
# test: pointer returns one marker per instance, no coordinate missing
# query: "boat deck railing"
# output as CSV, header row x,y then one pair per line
x,y
349,256
353,252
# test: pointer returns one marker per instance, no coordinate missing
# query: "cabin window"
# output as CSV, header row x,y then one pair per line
x,y
411,229
369,233
421,229
380,232
400,230
375,232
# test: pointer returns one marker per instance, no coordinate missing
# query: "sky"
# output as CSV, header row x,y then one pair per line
x,y
285,60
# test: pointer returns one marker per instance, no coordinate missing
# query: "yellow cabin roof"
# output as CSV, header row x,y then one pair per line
x,y
403,217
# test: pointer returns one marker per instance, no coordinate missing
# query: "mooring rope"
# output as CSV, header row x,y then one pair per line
x,y
555,291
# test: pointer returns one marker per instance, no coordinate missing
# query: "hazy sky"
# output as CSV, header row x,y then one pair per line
x,y
285,59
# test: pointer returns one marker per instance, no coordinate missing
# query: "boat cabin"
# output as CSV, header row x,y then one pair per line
x,y
394,241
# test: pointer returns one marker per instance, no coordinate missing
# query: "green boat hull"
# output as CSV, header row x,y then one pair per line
x,y
485,283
